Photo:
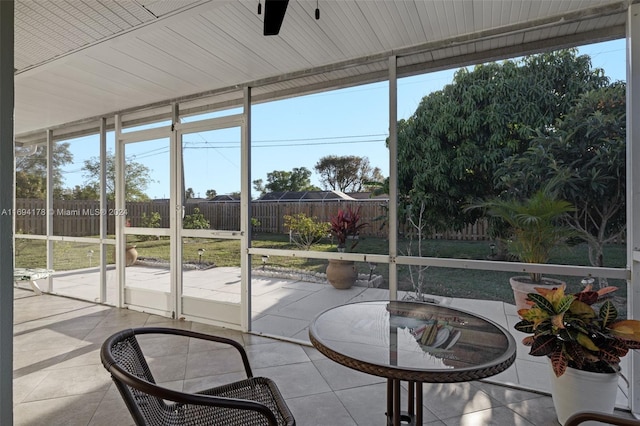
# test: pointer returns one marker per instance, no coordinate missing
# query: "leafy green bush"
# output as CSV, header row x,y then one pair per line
x,y
195,220
255,224
305,231
150,221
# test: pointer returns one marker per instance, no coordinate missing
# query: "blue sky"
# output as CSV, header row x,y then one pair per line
x,y
298,132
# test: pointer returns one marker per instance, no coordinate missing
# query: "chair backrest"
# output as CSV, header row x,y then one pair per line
x,y
579,418
122,349
251,401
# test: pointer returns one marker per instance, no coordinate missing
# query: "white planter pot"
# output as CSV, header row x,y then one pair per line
x,y
522,286
578,390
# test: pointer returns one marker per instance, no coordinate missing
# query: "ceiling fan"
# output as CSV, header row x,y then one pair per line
x,y
274,11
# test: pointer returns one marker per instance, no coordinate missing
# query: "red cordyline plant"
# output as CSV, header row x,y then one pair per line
x,y
345,225
568,330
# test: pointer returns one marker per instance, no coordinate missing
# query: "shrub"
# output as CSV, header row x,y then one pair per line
x,y
255,223
306,231
195,220
150,221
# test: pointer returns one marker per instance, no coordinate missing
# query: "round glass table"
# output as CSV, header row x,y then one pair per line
x,y
415,342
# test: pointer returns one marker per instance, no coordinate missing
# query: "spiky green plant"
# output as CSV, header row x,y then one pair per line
x,y
535,223
346,225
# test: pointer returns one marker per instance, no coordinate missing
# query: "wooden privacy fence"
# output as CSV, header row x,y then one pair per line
x,y
81,218
75,218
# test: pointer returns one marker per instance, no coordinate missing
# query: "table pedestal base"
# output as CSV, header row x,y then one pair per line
x,y
413,415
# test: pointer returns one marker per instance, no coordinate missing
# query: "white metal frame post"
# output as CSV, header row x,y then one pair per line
x,y
120,206
103,208
633,189
393,178
245,213
176,198
7,158
50,211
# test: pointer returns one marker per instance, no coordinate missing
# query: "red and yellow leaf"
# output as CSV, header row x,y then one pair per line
x,y
564,303
585,341
528,341
626,329
544,290
534,315
608,313
543,302
558,363
543,345
558,321
588,297
607,290
554,296
580,308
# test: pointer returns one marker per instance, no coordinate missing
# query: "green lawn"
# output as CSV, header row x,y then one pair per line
x,y
491,285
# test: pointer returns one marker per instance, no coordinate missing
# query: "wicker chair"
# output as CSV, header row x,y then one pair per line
x,y
253,401
578,418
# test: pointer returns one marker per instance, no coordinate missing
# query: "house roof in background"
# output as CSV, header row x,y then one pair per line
x,y
225,197
305,196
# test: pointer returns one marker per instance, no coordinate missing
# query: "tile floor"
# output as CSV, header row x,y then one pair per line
x,y
59,380
284,306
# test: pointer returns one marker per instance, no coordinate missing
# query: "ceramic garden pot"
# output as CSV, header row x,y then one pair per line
x,y
131,255
341,274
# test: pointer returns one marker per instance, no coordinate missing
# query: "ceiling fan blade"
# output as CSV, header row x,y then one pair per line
x,y
274,11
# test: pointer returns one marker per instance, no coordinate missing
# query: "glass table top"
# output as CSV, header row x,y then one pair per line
x,y
412,336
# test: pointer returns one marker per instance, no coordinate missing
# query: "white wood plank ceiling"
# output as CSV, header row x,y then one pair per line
x,y
80,59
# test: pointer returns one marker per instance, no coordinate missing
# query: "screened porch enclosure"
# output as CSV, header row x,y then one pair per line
x,y
152,87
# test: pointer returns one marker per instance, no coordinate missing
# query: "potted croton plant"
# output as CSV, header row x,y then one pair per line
x,y
345,227
584,346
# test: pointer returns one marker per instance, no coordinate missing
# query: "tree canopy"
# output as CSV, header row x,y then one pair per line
x,y
30,185
450,148
189,193
137,177
31,171
583,155
282,180
349,173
